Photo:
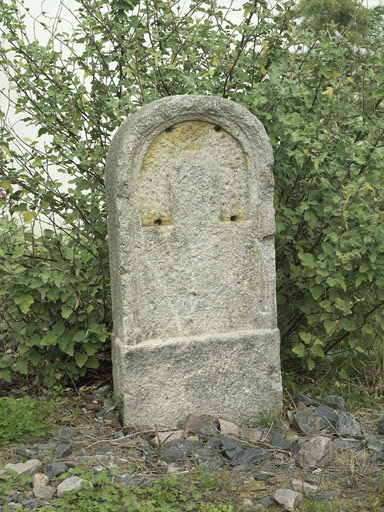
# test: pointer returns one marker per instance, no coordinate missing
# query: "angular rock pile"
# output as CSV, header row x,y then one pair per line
x,y
261,460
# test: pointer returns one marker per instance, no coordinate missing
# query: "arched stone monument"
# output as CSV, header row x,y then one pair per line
x,y
191,236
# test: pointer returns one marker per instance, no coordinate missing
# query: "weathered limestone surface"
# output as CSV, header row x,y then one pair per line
x,y
191,235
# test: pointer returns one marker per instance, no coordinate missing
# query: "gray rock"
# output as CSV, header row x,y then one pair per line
x,y
231,447
265,502
312,421
380,429
278,439
26,453
80,453
250,456
178,449
228,427
63,450
347,444
109,407
65,434
105,450
73,483
316,452
324,496
56,469
328,415
306,400
30,467
208,458
128,481
204,424
169,435
380,457
44,492
348,426
288,499
100,392
302,485
375,442
334,402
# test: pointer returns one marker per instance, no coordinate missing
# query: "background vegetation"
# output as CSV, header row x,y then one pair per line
x,y
315,82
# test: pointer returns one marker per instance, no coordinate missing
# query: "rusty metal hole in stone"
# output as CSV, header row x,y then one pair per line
x,y
234,218
217,128
157,222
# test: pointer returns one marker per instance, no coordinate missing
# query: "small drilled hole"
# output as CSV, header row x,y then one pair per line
x,y
217,128
234,218
157,222
169,129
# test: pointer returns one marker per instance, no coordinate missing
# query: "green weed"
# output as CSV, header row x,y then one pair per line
x,y
22,417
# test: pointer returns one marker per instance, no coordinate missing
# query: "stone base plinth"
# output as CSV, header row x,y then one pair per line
x,y
235,376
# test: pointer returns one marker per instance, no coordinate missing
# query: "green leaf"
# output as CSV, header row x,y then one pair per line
x,y
316,291
5,374
34,356
21,366
81,358
368,185
66,311
299,349
305,336
316,350
19,251
307,259
49,339
80,335
329,325
310,364
24,301
92,362
310,217
29,216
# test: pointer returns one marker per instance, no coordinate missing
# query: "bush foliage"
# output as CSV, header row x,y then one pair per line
x,y
319,95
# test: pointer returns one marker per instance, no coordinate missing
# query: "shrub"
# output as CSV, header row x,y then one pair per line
x,y
319,97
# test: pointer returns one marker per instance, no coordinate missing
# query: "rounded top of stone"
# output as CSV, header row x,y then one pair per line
x,y
136,133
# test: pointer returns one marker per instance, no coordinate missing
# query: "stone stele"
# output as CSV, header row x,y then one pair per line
x,y
191,238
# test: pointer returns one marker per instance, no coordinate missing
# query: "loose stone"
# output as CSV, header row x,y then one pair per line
x,y
25,468
375,442
63,450
334,402
289,499
348,426
56,469
208,458
306,400
168,435
177,450
44,492
316,452
312,421
26,453
73,483
380,429
100,392
227,427
301,486
204,424
250,456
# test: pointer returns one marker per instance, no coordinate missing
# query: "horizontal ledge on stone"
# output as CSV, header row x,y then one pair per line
x,y
201,338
